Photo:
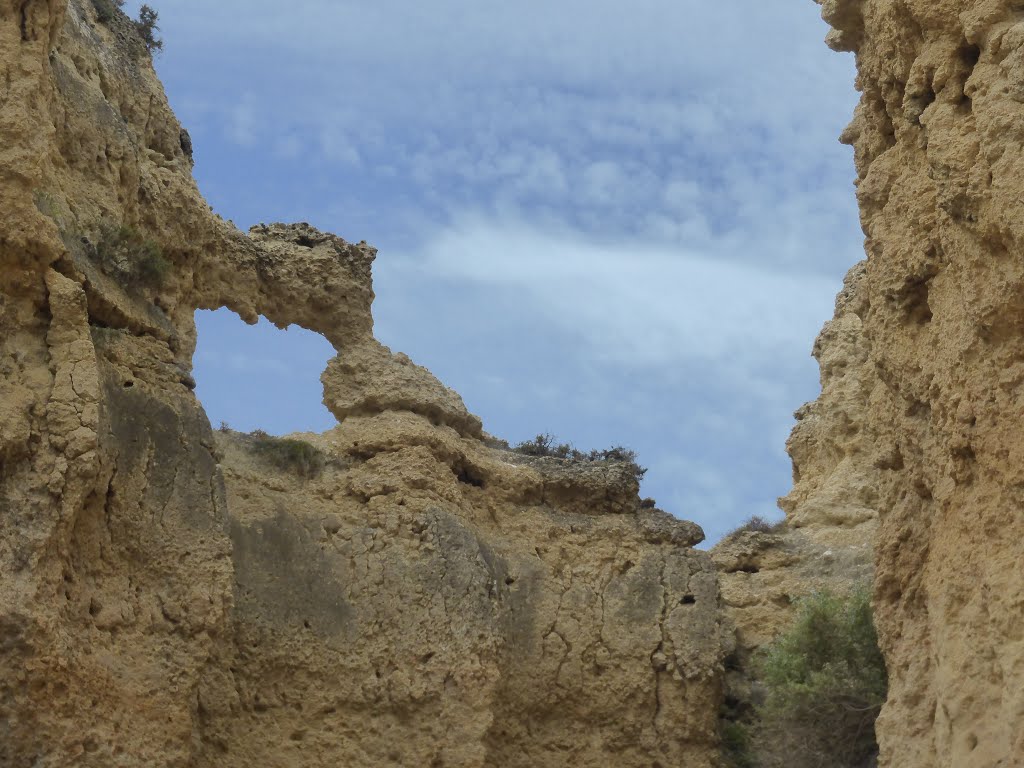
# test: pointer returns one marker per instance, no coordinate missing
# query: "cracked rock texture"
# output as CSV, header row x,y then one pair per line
x,y
422,602
170,598
939,376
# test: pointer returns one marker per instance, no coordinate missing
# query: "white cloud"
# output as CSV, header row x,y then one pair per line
x,y
599,111
335,145
681,195
289,146
639,304
242,119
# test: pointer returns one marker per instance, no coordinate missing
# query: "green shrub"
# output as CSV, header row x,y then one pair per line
x,y
106,10
288,454
147,28
130,257
825,682
736,746
546,445
759,524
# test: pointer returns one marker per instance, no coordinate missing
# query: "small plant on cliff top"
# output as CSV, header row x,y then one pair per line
x,y
545,445
758,524
826,682
288,454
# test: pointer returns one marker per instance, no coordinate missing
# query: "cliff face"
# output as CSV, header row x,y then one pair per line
x,y
940,309
171,599
427,600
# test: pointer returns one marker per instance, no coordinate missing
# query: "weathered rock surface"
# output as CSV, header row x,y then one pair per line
x,y
939,310
171,600
419,603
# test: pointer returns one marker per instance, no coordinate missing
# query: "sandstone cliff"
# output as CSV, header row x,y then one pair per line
x,y
170,599
937,312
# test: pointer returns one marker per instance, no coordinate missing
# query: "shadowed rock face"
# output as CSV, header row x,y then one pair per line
x,y
932,439
171,599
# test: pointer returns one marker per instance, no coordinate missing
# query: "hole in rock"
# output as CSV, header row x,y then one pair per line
x,y
465,475
688,600
914,300
970,55
260,377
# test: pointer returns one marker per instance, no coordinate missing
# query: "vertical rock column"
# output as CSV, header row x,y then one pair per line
x,y
939,147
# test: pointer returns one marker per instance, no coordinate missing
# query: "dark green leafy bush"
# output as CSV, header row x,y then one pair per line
x,y
547,445
288,454
106,10
147,28
736,746
826,682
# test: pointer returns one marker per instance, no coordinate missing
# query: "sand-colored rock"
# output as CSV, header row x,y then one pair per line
x,y
171,599
938,148
421,585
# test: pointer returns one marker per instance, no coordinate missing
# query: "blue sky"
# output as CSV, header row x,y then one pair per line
x,y
617,222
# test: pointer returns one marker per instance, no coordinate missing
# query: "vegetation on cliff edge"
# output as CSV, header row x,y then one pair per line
x,y
146,25
824,684
288,454
546,445
758,524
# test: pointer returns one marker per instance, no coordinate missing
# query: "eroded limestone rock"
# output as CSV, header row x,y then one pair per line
x,y
937,383
428,582
171,600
